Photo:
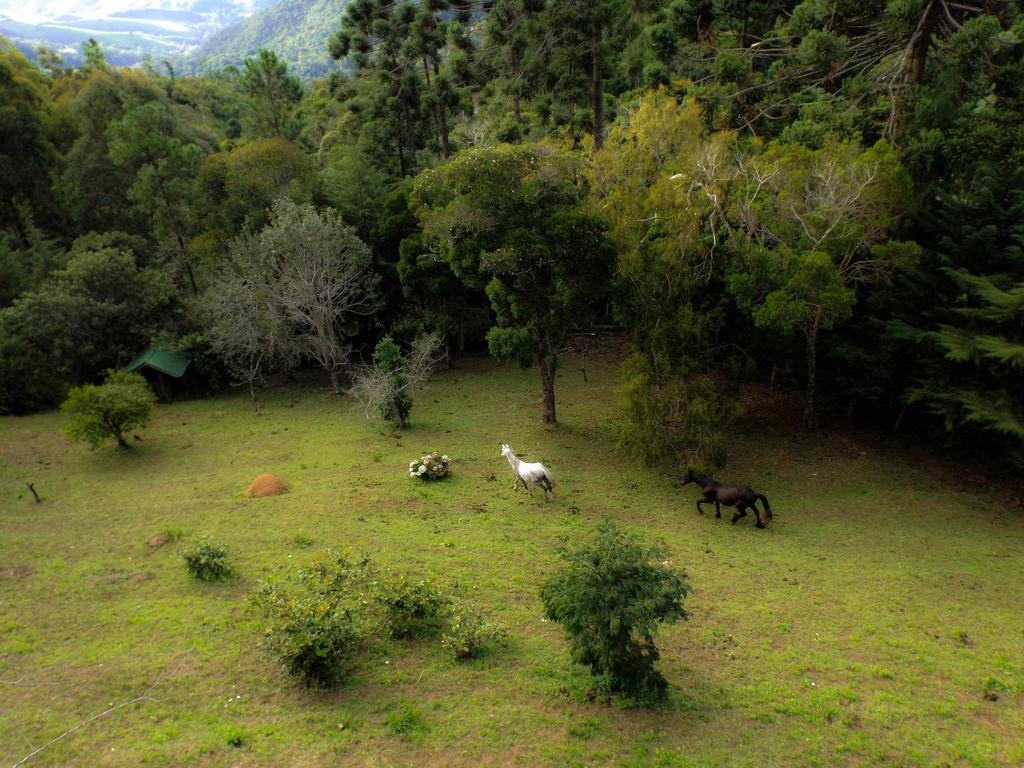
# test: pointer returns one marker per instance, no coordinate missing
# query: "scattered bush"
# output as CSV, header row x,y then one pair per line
x,y
97,413
411,608
207,561
469,633
317,622
610,599
432,466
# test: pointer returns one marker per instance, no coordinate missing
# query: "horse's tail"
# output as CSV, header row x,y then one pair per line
x,y
547,476
767,509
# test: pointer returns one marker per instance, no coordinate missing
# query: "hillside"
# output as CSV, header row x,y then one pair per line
x,y
128,30
297,30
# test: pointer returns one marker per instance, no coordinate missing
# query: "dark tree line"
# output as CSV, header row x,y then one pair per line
x,y
827,195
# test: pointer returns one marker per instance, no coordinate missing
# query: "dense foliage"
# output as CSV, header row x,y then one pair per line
x,y
822,196
98,413
207,560
315,623
611,598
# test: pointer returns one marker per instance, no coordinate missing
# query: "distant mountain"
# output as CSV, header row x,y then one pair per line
x,y
297,30
127,29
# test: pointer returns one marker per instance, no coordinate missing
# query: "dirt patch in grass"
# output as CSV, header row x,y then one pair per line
x,y
158,540
16,571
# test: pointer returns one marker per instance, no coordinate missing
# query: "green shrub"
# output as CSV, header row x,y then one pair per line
x,y
317,622
411,608
678,418
468,633
207,561
98,413
610,599
406,721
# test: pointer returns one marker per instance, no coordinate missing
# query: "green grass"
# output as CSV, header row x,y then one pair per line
x,y
864,626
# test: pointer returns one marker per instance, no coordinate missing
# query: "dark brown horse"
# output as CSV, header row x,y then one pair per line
x,y
742,497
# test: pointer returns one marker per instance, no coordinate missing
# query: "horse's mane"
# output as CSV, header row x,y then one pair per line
x,y
703,479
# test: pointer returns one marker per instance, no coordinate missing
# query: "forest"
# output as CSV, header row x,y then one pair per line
x,y
823,196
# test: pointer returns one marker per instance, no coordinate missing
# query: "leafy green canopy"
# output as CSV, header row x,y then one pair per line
x,y
513,220
611,598
98,413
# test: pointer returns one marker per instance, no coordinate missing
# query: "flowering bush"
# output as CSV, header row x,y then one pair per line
x,y
433,466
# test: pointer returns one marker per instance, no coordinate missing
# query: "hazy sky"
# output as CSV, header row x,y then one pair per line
x,y
35,11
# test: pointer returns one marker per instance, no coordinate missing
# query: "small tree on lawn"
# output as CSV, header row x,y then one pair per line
x,y
386,386
512,220
98,413
610,598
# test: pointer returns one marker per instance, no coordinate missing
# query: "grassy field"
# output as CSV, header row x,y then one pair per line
x,y
863,627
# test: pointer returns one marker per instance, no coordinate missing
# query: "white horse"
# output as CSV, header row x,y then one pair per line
x,y
527,472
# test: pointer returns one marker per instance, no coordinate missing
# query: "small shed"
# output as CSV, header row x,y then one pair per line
x,y
164,362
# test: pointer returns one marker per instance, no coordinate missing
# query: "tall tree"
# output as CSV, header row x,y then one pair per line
x,y
662,183
143,139
812,226
513,220
273,93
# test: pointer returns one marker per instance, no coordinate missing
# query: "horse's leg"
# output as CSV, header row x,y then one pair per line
x,y
702,501
757,515
740,512
718,509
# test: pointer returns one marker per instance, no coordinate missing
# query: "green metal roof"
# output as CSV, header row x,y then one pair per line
x,y
161,360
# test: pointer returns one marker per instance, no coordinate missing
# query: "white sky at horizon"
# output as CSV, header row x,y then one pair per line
x,y
38,11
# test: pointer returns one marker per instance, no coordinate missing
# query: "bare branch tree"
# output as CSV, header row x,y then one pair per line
x,y
323,277
247,329
288,293
381,385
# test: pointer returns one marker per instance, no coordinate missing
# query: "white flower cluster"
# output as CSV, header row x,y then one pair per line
x,y
432,466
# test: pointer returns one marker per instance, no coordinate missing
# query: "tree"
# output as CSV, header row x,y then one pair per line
x,y
811,227
610,599
235,191
512,220
97,413
143,140
93,55
323,279
662,184
386,386
287,293
27,155
93,186
273,93
96,313
984,346
246,327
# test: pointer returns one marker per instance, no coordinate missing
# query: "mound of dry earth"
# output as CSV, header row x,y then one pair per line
x,y
266,484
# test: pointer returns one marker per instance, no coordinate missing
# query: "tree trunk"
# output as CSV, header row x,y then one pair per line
x,y
436,110
120,440
335,381
252,394
597,79
919,55
515,90
548,366
442,112
810,418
